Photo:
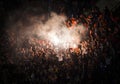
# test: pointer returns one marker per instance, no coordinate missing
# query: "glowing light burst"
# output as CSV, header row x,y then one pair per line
x,y
56,32
63,38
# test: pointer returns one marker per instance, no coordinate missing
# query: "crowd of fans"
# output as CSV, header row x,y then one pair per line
x,y
30,63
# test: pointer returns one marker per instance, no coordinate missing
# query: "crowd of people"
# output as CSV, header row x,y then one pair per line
x,y
91,63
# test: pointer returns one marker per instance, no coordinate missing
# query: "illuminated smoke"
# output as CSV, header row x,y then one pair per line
x,y
56,32
52,34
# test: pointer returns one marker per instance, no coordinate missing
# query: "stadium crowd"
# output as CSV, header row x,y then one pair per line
x,y
93,65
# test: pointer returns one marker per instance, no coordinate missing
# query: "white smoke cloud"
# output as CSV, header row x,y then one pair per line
x,y
53,30
56,32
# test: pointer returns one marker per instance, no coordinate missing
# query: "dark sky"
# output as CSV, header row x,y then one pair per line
x,y
44,6
8,5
